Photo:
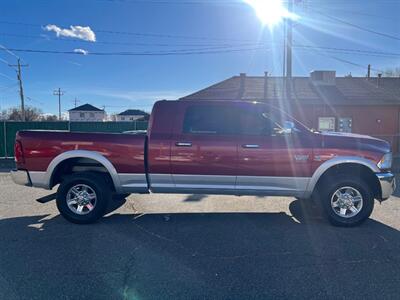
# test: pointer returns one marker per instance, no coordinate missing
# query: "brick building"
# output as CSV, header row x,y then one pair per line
x,y
322,101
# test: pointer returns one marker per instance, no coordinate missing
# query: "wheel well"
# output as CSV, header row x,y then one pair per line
x,y
78,164
353,169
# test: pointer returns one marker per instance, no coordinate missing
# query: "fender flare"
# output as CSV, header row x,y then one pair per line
x,y
338,160
82,154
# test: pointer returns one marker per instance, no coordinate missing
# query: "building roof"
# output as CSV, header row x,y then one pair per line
x,y
133,112
344,91
86,107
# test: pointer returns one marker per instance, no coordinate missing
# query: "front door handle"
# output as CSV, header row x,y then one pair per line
x,y
183,144
251,146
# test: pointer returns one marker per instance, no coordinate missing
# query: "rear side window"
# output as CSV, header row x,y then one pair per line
x,y
210,119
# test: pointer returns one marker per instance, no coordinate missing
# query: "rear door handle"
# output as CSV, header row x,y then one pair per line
x,y
183,144
251,146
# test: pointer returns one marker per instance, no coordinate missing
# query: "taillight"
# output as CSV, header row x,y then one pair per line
x,y
18,153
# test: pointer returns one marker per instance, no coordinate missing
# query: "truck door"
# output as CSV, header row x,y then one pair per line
x,y
273,157
204,148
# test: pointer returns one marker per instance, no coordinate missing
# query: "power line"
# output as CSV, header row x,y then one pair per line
x,y
212,46
34,100
350,51
4,88
6,76
203,51
153,35
148,53
352,63
176,2
60,39
181,2
4,61
353,12
228,46
357,26
9,51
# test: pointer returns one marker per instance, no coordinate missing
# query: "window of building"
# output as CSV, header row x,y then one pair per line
x,y
122,118
81,115
131,118
91,115
326,124
210,119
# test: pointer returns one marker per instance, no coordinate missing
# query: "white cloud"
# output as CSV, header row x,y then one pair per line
x,y
74,63
81,51
78,32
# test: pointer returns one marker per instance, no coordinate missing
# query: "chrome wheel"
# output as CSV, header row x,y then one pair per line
x,y
347,202
81,199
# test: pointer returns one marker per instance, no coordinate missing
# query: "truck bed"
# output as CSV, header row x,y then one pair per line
x,y
125,151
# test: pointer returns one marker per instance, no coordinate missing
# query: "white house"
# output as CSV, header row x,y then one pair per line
x,y
86,113
131,115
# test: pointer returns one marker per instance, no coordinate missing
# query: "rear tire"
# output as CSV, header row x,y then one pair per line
x,y
82,198
347,201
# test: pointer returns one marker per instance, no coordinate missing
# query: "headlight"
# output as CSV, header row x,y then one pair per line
x,y
386,161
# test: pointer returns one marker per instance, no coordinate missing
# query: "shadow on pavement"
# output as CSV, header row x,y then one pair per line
x,y
232,255
195,197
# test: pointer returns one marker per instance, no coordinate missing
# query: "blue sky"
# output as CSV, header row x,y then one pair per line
x,y
121,82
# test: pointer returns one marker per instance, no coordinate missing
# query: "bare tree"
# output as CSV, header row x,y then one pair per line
x,y
48,118
392,72
31,114
113,117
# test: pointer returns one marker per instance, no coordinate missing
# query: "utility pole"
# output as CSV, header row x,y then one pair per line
x,y
284,49
59,93
21,89
289,40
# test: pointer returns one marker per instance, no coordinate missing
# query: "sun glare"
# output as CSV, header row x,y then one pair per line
x,y
270,12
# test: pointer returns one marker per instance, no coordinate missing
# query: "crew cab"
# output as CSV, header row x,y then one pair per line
x,y
209,147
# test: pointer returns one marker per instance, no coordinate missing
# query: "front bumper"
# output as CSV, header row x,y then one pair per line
x,y
388,184
21,177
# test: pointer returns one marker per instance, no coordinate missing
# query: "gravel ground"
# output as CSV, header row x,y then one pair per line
x,y
194,247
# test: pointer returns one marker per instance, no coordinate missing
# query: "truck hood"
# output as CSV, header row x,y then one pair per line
x,y
354,141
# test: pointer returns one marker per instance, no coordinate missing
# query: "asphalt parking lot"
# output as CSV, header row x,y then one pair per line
x,y
194,247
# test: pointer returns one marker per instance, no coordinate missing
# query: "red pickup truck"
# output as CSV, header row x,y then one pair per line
x,y
209,147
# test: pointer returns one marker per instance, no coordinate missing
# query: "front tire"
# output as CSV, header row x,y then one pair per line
x,y
346,201
82,198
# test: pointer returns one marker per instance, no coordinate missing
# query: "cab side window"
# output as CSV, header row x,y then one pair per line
x,y
255,122
210,119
